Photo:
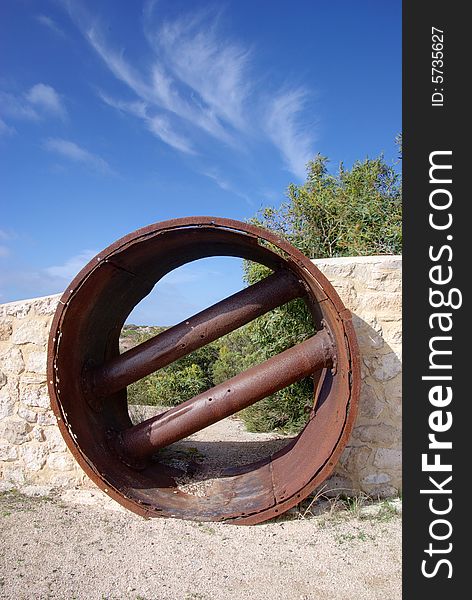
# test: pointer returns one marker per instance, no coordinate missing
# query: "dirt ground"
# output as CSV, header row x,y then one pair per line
x,y
82,545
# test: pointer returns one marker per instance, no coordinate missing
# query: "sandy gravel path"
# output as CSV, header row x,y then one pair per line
x,y
84,546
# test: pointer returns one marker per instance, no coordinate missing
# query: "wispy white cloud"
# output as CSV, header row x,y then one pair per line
x,y
6,129
161,127
134,107
48,22
220,181
4,251
219,70
199,80
149,7
69,269
17,107
158,124
167,85
213,66
167,95
76,153
47,99
39,102
157,91
117,63
20,281
225,185
286,132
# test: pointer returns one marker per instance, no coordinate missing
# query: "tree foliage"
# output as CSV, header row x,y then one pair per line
x,y
356,212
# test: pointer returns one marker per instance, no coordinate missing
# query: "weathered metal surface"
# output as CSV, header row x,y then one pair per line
x,y
223,400
195,332
85,334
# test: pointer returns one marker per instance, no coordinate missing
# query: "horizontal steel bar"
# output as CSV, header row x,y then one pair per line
x,y
197,331
143,440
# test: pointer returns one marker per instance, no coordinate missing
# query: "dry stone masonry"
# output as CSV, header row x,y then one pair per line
x,y
371,287
32,451
35,459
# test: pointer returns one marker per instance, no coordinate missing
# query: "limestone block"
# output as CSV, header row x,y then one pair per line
x,y
388,458
395,404
47,418
36,396
67,479
46,305
14,474
6,486
37,434
380,303
392,332
377,435
369,333
31,331
60,461
354,459
8,452
36,361
27,414
14,431
8,400
36,491
382,490
54,439
370,405
34,456
337,485
376,478
5,328
16,309
383,367
12,361
33,378
393,390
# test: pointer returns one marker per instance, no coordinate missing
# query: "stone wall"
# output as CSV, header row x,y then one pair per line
x,y
32,451
371,287
33,456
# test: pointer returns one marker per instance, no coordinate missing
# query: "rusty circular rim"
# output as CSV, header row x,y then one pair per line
x,y
87,324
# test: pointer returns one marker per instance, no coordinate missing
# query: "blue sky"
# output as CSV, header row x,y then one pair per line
x,y
116,114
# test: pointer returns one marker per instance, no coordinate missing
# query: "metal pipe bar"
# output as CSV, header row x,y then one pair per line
x,y
141,441
197,331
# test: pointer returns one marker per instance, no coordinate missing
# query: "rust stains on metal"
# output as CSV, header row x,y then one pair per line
x,y
193,333
228,398
87,376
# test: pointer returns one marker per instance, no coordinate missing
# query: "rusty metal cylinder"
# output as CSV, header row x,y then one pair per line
x,y
227,398
85,336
